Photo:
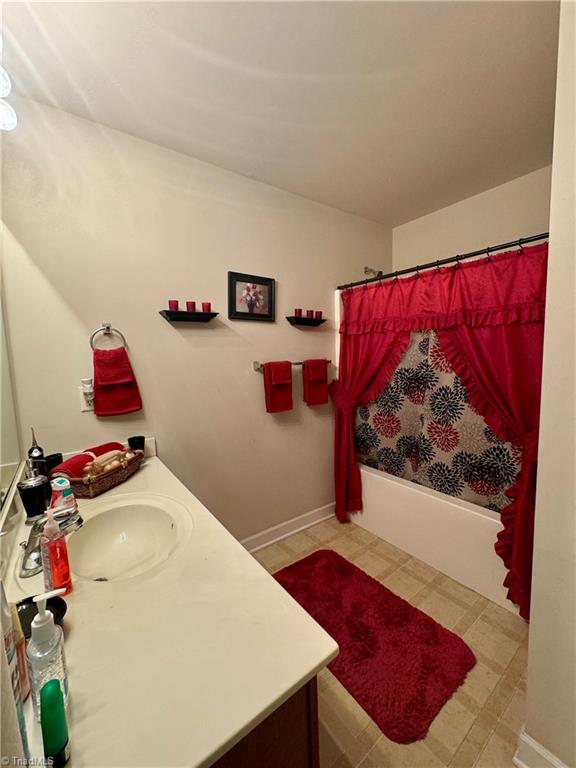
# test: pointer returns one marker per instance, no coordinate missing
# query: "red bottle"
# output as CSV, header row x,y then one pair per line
x,y
55,557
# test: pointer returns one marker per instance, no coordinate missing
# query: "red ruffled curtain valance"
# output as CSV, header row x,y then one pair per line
x,y
509,288
489,316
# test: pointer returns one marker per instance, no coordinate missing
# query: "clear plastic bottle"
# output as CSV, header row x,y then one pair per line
x,y
45,652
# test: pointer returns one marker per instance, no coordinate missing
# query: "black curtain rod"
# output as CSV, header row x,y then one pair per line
x,y
520,242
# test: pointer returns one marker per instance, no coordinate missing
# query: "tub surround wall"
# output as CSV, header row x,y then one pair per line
x,y
455,537
104,226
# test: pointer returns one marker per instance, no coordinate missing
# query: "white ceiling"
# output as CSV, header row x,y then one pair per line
x,y
387,110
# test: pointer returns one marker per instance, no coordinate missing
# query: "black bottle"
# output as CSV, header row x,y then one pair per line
x,y
36,455
35,492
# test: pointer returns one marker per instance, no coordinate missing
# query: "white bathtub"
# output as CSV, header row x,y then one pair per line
x,y
454,536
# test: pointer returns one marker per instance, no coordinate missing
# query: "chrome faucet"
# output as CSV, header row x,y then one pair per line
x,y
69,520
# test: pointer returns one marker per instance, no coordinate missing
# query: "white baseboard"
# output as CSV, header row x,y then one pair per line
x,y
531,754
281,531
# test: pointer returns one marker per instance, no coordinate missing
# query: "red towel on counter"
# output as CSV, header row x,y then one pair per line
x,y
74,466
278,386
99,450
115,387
315,381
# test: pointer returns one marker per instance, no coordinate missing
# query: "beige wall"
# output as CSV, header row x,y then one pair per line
x,y
551,715
103,226
519,208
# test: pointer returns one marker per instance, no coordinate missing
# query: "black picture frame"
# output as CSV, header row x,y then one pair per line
x,y
256,313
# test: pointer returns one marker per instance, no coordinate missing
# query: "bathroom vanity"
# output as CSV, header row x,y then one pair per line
x,y
182,650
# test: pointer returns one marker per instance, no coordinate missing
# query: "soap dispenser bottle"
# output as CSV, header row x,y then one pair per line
x,y
54,553
45,652
36,455
35,492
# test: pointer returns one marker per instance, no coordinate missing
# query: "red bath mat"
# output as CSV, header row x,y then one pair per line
x,y
399,664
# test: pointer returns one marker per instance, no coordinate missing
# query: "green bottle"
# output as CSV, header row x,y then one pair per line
x,y
53,722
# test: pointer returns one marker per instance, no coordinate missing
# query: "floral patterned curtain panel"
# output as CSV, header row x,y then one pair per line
x,y
422,427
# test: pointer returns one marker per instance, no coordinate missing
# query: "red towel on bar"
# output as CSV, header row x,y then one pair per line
x,y
315,381
278,386
74,465
115,387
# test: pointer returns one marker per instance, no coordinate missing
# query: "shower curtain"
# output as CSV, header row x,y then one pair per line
x,y
489,318
423,428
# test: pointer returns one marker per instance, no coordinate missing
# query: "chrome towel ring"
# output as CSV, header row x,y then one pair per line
x,y
107,330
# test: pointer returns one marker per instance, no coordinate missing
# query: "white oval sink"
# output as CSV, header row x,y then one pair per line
x,y
126,536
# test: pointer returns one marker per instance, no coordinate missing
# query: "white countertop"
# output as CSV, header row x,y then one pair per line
x,y
174,667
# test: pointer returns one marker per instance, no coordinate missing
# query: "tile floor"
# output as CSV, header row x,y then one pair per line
x,y
479,725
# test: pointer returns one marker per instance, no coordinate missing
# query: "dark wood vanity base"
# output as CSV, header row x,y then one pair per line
x,y
288,738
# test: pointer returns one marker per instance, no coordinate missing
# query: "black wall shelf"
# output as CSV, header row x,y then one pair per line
x,y
311,322
187,317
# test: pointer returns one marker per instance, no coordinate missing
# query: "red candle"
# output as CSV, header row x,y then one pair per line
x,y
173,305
310,313
190,306
206,306
298,312
318,314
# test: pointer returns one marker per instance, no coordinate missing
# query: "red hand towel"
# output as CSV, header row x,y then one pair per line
x,y
98,450
115,388
74,466
278,386
315,380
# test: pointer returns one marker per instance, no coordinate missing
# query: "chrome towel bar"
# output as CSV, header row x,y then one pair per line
x,y
257,366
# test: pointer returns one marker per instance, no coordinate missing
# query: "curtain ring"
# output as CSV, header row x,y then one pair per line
x,y
458,257
438,265
395,277
521,251
488,253
417,270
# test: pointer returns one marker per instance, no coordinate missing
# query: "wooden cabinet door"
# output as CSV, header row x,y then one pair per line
x,y
288,738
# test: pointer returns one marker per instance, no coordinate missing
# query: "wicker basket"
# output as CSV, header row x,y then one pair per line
x,y
91,486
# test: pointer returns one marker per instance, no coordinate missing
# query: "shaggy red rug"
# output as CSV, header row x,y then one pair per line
x,y
399,664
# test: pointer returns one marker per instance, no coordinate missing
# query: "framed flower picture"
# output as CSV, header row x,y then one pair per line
x,y
251,297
